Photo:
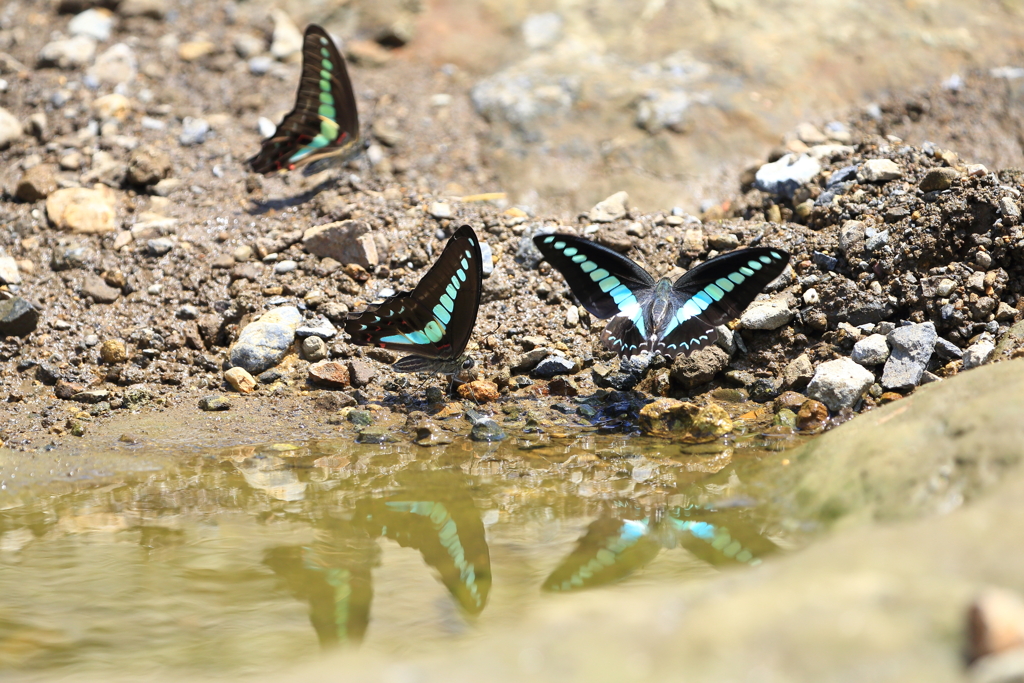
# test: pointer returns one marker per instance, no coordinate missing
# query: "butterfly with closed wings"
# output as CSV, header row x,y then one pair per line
x,y
324,123
659,316
435,320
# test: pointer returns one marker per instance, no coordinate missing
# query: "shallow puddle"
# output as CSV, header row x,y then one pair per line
x,y
251,558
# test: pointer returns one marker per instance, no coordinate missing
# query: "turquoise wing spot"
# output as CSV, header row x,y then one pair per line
x,y
738,278
715,292
755,265
325,75
447,302
326,110
559,245
452,291
724,284
690,309
599,275
471,241
549,239
325,85
579,258
414,337
442,314
323,51
326,64
465,264
703,300
746,271
765,260
621,294
588,266
571,251
455,282
461,273
776,255
468,254
633,311
433,331
609,283
326,98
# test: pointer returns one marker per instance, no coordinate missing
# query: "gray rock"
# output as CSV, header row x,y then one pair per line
x,y
10,128
520,96
978,353
154,9
541,31
248,45
487,259
100,291
344,241
783,177
938,179
877,241
947,349
851,236
839,383
555,365
262,344
147,166
487,431
18,318
660,109
871,350
321,327
187,312
945,287
117,64
314,349
159,246
610,209
68,53
361,373
878,171
1008,207
912,347
214,402
767,315
193,131
726,339
798,372
94,23
260,64
693,370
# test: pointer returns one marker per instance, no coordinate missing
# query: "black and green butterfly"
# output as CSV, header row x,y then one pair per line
x,y
435,320
660,317
324,122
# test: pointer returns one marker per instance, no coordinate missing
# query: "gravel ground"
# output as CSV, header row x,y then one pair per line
x,y
137,246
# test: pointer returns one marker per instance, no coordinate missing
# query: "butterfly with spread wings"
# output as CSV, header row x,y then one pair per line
x,y
660,316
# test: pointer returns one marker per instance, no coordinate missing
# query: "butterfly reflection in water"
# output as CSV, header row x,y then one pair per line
x,y
660,317
435,320
324,125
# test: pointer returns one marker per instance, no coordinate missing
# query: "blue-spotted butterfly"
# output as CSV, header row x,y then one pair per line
x,y
324,122
435,320
660,317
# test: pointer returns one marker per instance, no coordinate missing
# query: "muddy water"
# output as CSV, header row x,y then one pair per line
x,y
250,558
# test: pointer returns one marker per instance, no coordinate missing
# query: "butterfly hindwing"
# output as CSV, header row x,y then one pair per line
x,y
324,122
434,320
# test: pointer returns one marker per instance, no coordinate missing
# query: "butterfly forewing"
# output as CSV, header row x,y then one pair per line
x,y
436,319
324,122
604,281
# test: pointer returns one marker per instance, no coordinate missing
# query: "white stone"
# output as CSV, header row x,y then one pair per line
x,y
9,274
878,171
68,53
96,23
839,383
287,40
784,176
610,209
116,64
811,297
770,314
542,30
871,350
10,128
978,354
440,210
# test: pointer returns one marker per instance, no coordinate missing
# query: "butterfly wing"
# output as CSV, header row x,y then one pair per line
x,y
713,293
435,320
324,122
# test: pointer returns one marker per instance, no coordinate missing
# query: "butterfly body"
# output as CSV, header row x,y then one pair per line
x,y
324,123
660,316
433,322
